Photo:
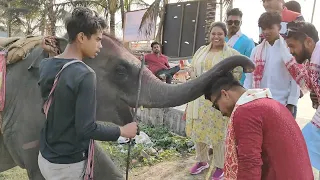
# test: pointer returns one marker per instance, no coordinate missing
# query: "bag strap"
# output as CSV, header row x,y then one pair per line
x,y
47,103
90,162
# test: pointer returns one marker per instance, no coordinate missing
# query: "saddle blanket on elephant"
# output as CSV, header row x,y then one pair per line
x,y
17,48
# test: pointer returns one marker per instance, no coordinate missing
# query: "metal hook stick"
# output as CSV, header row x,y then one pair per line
x,y
131,142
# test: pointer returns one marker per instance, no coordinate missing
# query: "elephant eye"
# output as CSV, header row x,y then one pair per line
x,y
121,70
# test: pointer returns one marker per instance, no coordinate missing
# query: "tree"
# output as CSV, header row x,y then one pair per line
x,y
211,13
125,5
12,12
150,17
34,18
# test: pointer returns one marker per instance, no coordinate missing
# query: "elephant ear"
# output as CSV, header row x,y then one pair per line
x,y
37,54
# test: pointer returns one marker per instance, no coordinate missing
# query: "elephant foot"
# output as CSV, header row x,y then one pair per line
x,y
35,174
6,159
104,167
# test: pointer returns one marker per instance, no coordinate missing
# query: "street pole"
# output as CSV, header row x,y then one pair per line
x,y
314,7
221,9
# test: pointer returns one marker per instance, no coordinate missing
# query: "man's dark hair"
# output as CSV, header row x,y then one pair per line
x,y
234,12
225,81
154,43
293,6
268,19
83,20
305,28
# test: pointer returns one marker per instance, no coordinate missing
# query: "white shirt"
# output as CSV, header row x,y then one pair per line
x,y
276,77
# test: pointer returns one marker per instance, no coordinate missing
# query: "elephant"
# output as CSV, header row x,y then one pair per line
x,y
117,71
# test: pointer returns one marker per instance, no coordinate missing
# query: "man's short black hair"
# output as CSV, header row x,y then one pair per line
x,y
302,27
268,19
234,12
293,6
83,20
225,81
154,43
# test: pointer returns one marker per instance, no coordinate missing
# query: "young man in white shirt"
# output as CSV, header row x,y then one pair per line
x,y
270,70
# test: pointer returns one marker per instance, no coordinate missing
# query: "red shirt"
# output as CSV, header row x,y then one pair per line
x,y
269,142
156,62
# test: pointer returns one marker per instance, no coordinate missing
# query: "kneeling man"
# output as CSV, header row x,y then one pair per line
x,y
263,141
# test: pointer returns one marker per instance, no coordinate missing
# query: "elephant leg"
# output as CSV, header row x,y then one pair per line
x,y
30,159
104,167
23,144
6,161
27,156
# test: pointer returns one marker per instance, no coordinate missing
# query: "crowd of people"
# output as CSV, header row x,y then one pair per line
x,y
257,110
247,119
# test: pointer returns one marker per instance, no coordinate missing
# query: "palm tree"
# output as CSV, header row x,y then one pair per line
x,y
125,6
57,11
155,10
12,13
211,13
150,17
110,7
113,6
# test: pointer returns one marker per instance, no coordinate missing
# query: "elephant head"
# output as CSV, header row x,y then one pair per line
x,y
117,71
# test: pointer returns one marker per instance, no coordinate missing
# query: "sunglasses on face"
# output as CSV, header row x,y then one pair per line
x,y
235,22
214,104
293,31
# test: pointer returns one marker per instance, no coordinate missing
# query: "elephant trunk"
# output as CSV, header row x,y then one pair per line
x,y
156,94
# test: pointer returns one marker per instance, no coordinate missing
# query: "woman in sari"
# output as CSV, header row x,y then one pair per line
x,y
205,125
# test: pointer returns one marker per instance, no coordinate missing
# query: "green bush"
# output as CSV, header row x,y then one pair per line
x,y
166,146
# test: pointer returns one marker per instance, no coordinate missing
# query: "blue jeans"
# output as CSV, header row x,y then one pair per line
x,y
168,73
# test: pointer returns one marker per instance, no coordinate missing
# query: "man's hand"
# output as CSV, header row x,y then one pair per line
x,y
314,100
129,130
162,76
290,108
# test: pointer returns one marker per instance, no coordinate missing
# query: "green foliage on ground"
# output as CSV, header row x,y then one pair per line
x,y
166,146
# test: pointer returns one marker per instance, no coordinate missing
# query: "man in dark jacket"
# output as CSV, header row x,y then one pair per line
x,y
70,123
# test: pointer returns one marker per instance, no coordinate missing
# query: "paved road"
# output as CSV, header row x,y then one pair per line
x,y
305,110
